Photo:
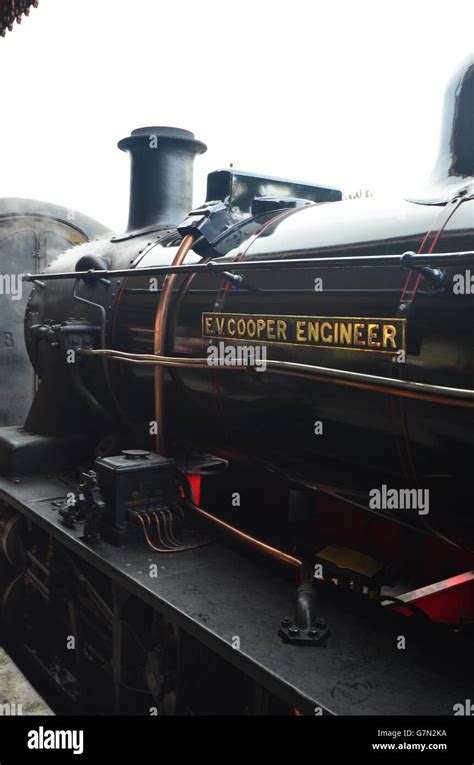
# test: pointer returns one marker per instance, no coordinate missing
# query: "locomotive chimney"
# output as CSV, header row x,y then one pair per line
x,y
161,181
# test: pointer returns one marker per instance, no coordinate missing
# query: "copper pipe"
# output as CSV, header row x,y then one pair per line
x,y
161,540
148,540
167,514
168,542
425,392
150,357
304,568
171,362
387,389
160,339
153,547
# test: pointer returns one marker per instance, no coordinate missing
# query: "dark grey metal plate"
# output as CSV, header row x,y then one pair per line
x,y
32,234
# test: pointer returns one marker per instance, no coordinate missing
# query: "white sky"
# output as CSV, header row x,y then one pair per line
x,y
343,93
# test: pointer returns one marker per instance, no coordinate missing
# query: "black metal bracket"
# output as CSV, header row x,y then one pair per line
x,y
237,280
206,224
87,510
433,276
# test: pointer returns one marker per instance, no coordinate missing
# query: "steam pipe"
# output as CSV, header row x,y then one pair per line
x,y
438,394
304,569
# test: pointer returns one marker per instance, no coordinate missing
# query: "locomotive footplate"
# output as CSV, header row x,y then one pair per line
x,y
216,594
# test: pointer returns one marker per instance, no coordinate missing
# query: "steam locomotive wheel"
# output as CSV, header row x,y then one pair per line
x,y
154,674
12,545
155,680
12,606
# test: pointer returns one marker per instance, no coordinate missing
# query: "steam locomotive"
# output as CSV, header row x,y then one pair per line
x,y
279,365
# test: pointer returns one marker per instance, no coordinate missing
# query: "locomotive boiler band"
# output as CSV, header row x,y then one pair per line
x,y
350,333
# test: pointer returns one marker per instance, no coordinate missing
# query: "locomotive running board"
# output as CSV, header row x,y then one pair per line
x,y
216,594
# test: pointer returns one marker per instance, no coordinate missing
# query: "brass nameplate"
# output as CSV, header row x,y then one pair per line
x,y
343,332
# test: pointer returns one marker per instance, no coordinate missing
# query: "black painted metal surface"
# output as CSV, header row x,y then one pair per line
x,y
368,440
161,180
216,594
241,188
